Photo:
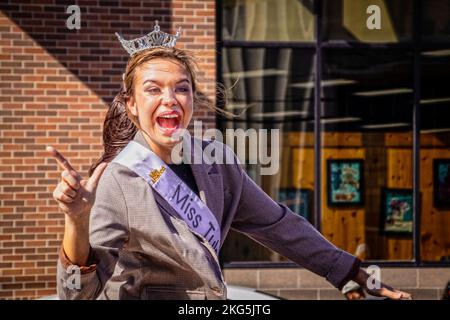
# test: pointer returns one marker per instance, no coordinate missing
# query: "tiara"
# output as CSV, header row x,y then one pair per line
x,y
153,39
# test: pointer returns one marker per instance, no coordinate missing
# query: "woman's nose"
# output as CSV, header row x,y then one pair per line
x,y
169,98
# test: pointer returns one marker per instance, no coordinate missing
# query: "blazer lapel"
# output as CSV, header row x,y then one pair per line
x,y
209,182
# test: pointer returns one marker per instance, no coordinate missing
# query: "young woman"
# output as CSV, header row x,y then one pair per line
x,y
143,228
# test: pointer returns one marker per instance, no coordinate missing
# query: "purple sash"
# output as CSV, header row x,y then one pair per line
x,y
181,198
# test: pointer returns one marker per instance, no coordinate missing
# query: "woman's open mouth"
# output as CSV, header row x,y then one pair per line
x,y
168,122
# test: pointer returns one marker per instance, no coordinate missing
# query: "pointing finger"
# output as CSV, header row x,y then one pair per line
x,y
62,161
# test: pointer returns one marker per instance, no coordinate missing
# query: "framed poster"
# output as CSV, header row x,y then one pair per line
x,y
298,200
396,211
345,182
441,183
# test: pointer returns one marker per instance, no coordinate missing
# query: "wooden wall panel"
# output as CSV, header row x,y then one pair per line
x,y
302,161
399,168
341,139
435,223
345,227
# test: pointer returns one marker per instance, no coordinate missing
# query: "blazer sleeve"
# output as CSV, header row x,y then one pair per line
x,y
108,233
277,227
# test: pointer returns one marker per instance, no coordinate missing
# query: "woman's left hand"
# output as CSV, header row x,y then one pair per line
x,y
382,290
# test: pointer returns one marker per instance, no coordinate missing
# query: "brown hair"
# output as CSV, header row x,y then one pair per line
x,y
120,125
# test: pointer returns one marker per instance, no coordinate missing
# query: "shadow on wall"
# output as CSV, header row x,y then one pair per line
x,y
92,53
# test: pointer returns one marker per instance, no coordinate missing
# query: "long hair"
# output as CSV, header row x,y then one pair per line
x,y
120,124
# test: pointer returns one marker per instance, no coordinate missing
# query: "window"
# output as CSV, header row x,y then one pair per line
x,y
376,182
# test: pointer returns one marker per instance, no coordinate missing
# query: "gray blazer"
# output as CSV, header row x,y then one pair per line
x,y
140,249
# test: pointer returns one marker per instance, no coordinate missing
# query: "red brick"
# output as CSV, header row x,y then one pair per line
x,y
11,272
25,278
24,293
10,286
27,264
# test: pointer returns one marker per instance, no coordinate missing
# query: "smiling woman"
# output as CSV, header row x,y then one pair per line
x,y
143,228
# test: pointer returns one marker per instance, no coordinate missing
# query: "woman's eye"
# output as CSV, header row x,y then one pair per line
x,y
153,90
183,89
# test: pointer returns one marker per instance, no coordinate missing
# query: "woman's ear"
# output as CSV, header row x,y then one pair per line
x,y
131,105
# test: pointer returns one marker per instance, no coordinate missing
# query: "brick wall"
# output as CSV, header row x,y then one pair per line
x,y
55,86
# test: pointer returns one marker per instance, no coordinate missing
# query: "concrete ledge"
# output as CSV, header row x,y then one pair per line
x,y
311,280
242,277
400,278
301,284
432,277
278,278
330,294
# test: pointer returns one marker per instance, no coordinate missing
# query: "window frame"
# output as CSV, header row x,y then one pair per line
x,y
415,45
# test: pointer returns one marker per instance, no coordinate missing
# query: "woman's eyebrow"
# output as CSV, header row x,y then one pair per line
x,y
184,80
151,81
159,83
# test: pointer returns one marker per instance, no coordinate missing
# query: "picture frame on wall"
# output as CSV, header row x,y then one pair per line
x,y
441,183
345,182
396,217
298,200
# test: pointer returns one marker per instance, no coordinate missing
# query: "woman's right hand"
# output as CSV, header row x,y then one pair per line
x,y
75,195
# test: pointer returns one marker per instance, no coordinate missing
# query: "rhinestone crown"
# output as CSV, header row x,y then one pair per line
x,y
155,38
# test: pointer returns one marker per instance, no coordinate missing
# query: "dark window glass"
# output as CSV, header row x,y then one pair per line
x,y
436,20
